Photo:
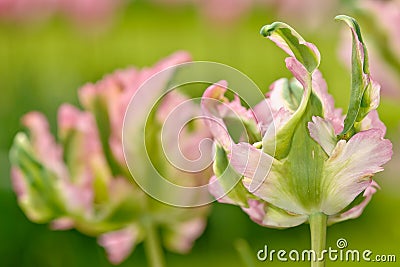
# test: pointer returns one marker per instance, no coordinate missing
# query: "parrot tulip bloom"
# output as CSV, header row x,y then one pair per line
x,y
83,182
303,161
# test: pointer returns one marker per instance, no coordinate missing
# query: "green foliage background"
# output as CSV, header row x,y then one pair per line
x,y
42,65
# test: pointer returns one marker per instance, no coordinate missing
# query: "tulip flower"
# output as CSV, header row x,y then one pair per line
x,y
297,158
82,181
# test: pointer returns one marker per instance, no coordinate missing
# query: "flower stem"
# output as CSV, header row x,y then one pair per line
x,y
318,237
152,246
245,252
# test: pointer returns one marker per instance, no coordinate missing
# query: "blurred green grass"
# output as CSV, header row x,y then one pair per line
x,y
43,65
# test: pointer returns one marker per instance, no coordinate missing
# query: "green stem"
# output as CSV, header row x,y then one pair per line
x,y
245,253
318,237
152,246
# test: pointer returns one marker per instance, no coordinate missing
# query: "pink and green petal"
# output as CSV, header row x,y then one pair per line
x,y
120,243
267,215
251,163
350,167
292,43
357,210
285,132
333,115
323,133
180,236
372,121
44,145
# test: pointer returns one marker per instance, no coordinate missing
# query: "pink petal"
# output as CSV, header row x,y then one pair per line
x,y
18,183
263,114
298,71
183,234
251,163
209,105
72,119
280,119
78,198
323,133
372,121
116,90
255,210
63,223
119,244
387,14
224,11
269,216
216,189
187,149
275,94
334,116
44,144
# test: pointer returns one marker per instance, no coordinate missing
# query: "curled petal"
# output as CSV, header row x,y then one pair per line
x,y
292,43
350,167
364,92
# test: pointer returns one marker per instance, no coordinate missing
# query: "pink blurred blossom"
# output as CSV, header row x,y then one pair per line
x,y
72,183
79,11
